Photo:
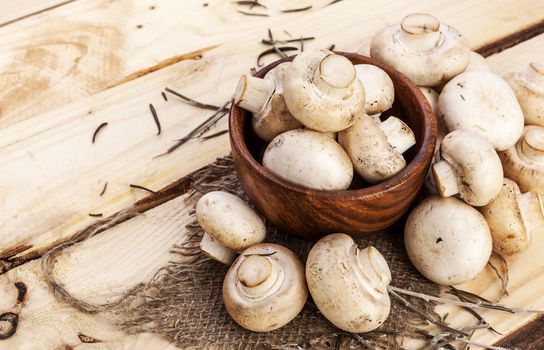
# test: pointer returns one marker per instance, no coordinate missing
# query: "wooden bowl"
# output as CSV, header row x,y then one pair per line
x,y
311,214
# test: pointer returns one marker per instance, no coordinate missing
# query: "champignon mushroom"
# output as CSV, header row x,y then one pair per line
x,y
484,103
422,48
509,215
379,89
322,92
477,63
469,167
264,98
447,240
376,148
431,96
265,288
349,284
230,225
524,162
310,159
529,89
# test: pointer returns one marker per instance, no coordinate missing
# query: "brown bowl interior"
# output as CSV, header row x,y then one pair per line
x,y
311,214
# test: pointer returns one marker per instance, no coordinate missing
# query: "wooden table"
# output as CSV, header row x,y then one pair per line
x,y
66,67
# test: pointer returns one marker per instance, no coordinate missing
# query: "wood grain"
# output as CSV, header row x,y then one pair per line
x,y
15,10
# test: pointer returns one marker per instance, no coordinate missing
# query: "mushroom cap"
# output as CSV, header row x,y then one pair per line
x,y
529,89
477,63
484,103
348,284
524,162
379,88
373,157
310,159
440,52
265,287
477,166
506,221
230,220
447,240
313,107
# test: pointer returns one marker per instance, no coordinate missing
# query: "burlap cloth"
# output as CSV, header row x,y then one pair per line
x,y
183,303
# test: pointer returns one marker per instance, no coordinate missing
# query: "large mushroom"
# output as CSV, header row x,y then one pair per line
x,y
230,225
322,91
482,102
310,159
376,148
265,288
509,216
529,89
469,167
427,51
447,240
379,88
264,98
524,162
349,284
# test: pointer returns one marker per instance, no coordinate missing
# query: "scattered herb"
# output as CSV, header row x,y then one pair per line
x,y
333,2
287,33
501,270
97,130
191,101
217,134
273,50
253,13
269,42
142,188
262,254
155,118
251,3
164,96
104,189
331,48
98,215
300,9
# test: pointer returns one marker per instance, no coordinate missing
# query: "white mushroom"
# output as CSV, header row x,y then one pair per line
x,y
322,92
376,148
264,98
431,96
422,48
310,159
349,284
477,63
469,167
509,215
447,240
379,89
484,103
230,225
524,162
265,287
529,89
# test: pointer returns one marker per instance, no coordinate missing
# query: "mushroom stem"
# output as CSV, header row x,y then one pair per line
x,y
216,250
374,266
334,75
445,179
420,32
399,135
532,145
253,94
259,277
535,74
531,206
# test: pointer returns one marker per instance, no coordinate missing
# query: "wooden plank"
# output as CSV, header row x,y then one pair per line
x,y
84,47
52,174
16,10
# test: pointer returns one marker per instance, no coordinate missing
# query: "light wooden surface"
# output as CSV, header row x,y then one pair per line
x,y
66,70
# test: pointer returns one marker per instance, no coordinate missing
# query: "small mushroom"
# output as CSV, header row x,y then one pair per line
x,y
469,167
322,92
230,225
447,240
379,89
264,98
349,284
376,148
477,63
509,215
422,48
529,89
524,162
265,287
484,103
310,159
